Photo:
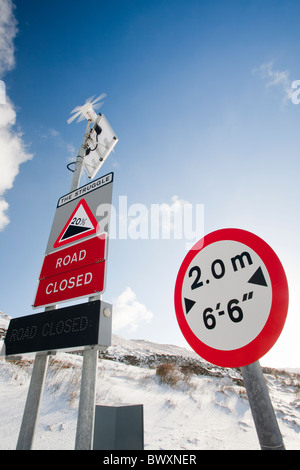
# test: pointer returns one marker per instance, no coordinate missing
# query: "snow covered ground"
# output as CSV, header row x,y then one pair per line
x,y
207,409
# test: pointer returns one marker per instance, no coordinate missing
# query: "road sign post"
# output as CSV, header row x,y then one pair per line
x,y
32,406
75,220
82,327
81,223
231,302
86,409
33,401
264,418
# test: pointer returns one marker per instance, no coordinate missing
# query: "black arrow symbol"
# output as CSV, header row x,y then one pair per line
x,y
188,304
258,278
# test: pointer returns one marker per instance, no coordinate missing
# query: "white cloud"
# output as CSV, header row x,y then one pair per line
x,y
128,312
8,31
276,78
171,213
4,220
13,151
61,143
165,219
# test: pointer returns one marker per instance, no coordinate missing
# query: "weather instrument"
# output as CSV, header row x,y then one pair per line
x,y
87,111
99,139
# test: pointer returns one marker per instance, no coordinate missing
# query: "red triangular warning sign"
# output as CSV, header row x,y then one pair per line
x,y
82,223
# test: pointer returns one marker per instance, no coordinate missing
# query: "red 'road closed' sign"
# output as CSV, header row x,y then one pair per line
x,y
231,297
80,282
81,254
73,272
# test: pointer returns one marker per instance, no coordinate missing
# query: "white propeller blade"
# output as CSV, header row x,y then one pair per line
x,y
82,111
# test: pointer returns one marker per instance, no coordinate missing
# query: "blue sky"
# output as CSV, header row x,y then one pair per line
x,y
199,94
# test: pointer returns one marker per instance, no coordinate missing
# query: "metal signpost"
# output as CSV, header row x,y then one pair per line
x,y
231,302
74,267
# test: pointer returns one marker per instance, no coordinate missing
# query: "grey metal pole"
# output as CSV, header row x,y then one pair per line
x,y
79,161
265,421
86,409
36,387
33,402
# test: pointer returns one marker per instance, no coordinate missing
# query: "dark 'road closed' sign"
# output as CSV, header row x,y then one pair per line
x,y
67,328
231,297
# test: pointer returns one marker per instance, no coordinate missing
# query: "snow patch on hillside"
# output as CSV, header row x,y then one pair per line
x,y
205,408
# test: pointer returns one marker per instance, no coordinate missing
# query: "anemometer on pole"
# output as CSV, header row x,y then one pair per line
x,y
74,214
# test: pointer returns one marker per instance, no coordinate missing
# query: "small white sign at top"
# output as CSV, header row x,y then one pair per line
x,y
85,189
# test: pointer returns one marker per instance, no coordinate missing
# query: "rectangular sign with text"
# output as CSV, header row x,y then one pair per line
x,y
76,256
81,282
76,326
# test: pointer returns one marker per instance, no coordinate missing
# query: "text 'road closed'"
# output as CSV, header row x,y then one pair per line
x,y
74,281
85,281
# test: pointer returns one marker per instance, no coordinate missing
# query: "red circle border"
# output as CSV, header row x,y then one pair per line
x,y
260,345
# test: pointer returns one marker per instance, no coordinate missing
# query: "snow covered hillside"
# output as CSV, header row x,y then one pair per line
x,y
188,403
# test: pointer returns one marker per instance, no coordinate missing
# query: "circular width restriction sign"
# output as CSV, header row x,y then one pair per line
x,y
231,297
